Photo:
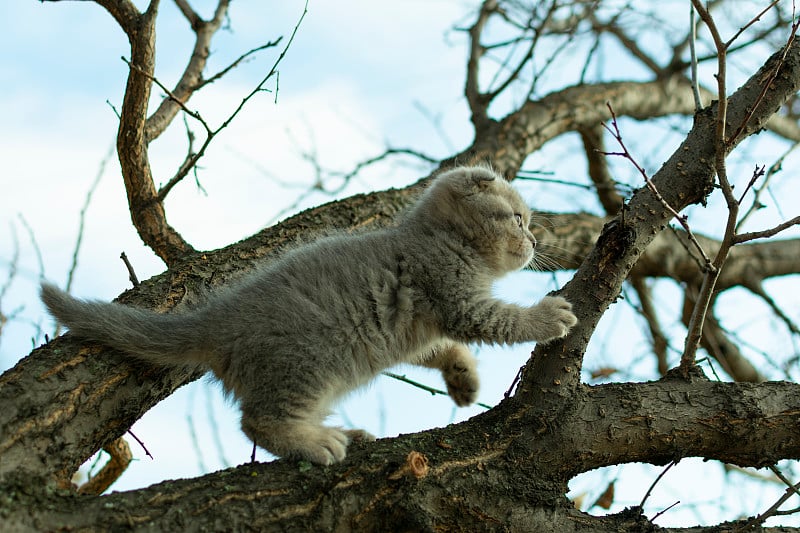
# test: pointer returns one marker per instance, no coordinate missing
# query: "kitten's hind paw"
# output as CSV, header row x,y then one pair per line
x,y
459,370
554,317
462,381
299,439
359,435
322,445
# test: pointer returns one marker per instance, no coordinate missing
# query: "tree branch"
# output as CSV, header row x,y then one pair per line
x,y
147,214
743,424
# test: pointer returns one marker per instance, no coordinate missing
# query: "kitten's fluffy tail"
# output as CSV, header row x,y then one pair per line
x,y
162,339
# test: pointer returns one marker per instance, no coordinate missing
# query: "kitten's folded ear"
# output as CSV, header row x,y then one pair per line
x,y
481,176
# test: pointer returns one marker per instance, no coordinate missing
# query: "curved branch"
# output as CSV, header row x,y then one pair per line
x,y
147,214
124,12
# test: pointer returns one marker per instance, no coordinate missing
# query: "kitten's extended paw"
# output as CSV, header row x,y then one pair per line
x,y
461,377
555,318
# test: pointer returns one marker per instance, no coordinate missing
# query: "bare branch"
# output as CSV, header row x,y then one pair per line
x,y
191,79
629,44
82,217
722,147
319,184
792,490
698,102
698,317
34,244
648,311
147,214
236,62
756,287
432,390
771,172
752,21
13,266
192,158
534,40
190,14
131,273
478,103
744,237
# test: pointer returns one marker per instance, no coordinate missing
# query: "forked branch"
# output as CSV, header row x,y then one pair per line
x,y
723,144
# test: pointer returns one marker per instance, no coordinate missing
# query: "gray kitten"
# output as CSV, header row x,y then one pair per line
x,y
292,338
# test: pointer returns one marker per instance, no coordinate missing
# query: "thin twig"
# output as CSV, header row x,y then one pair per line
x,y
722,144
771,172
146,451
792,490
752,21
514,383
698,103
711,274
664,511
236,62
319,184
34,243
13,268
82,216
755,286
758,172
752,235
131,272
768,81
426,388
653,485
196,448
192,159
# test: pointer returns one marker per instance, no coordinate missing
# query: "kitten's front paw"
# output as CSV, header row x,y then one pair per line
x,y
462,381
555,318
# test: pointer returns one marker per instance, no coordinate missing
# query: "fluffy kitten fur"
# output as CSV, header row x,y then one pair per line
x,y
325,318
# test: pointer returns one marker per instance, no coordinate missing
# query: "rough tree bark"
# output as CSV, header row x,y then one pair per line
x,y
506,469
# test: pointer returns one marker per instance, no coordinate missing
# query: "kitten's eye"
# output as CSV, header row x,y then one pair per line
x,y
518,218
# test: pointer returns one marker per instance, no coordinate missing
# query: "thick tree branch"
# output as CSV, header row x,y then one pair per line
x,y
511,446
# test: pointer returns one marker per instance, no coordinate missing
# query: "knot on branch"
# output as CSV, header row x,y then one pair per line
x,y
416,466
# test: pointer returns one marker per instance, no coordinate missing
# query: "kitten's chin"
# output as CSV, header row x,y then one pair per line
x,y
517,261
